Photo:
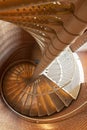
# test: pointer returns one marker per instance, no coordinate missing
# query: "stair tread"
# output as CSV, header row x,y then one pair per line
x,y
57,102
63,95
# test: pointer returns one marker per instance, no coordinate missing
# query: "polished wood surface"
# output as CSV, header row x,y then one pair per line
x,y
54,25
16,44
77,120
33,100
9,121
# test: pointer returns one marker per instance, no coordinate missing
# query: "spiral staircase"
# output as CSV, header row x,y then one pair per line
x,y
40,73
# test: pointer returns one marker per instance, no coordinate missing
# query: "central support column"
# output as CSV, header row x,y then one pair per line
x,y
75,26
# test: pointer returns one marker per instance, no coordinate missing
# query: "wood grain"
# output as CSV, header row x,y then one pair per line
x,y
77,121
